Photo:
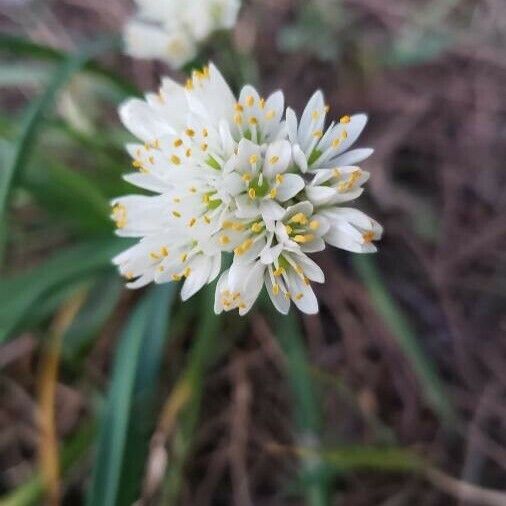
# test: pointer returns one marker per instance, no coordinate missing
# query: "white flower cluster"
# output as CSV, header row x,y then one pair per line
x,y
170,30
244,177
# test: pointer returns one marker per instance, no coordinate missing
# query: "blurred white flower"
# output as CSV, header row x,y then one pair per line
x,y
170,30
232,176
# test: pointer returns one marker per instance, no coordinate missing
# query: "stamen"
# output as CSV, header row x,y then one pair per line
x,y
250,101
273,159
345,119
175,159
178,143
252,193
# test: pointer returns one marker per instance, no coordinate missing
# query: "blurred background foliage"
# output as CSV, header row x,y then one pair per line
x,y
393,395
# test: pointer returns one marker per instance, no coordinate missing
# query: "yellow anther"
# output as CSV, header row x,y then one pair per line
x,y
314,224
188,153
302,239
176,277
156,144
175,159
151,159
273,193
279,178
253,159
192,222
257,227
326,108
224,239
336,142
205,133
154,256
190,132
262,102
187,272
189,84
164,251
288,229
242,248
345,119
368,236
238,107
184,257
119,215
252,193
273,159
250,101
137,164
161,268
238,118
176,214
279,271
129,275
246,177
207,219
344,135
205,198
317,134
242,305
300,218
253,120
299,296
270,114
275,289
336,172
204,146
178,143
315,115
192,189
176,200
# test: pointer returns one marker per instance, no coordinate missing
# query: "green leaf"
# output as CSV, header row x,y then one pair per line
x,y
38,108
401,328
69,196
308,416
100,303
203,353
23,47
128,416
20,294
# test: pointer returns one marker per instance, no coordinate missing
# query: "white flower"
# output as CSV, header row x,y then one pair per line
x,y
171,30
230,175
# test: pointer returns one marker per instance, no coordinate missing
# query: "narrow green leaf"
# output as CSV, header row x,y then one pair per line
x,y
401,328
23,47
68,195
20,294
307,412
100,303
127,417
203,353
37,109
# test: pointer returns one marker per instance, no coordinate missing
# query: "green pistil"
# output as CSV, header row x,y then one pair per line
x,y
213,163
315,154
213,204
261,190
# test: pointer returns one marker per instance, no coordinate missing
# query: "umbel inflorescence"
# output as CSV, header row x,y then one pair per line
x,y
244,177
172,31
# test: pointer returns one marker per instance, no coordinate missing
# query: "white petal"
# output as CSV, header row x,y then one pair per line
x,y
200,270
280,302
352,157
292,184
299,158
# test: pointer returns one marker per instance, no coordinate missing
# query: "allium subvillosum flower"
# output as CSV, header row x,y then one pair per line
x,y
170,30
237,176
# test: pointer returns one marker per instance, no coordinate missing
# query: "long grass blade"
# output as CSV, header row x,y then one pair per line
x,y
401,328
18,304
307,412
23,47
38,108
128,416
